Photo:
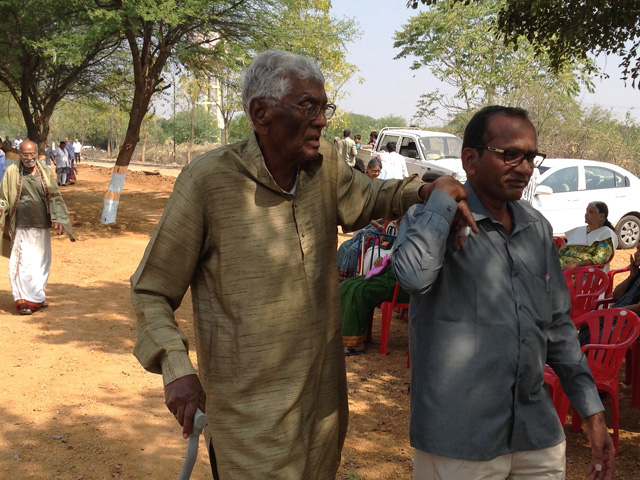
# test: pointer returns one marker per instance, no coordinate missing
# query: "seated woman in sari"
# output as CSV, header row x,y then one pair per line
x,y
359,296
350,249
593,244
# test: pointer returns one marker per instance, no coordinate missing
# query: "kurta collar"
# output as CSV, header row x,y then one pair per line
x,y
257,168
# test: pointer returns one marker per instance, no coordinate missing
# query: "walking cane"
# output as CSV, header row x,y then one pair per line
x,y
199,422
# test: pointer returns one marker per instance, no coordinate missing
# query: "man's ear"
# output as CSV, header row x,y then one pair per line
x,y
260,114
470,158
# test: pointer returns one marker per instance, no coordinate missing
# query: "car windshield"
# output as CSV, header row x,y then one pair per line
x,y
543,169
434,148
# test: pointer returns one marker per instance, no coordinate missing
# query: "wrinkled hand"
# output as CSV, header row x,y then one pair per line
x,y
463,223
58,228
183,397
603,451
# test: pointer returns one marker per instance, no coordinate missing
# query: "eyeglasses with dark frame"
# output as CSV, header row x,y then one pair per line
x,y
312,111
514,157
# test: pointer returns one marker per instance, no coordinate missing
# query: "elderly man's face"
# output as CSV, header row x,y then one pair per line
x,y
28,154
490,177
296,137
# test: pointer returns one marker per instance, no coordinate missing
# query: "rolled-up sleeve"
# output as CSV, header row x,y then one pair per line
x,y
422,242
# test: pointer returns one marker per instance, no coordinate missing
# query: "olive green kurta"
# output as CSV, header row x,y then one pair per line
x,y
261,265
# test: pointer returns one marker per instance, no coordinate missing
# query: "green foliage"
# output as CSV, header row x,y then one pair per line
x,y
455,41
239,128
361,125
50,48
566,30
205,126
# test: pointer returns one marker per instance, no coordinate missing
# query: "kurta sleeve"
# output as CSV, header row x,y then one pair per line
x,y
162,278
361,199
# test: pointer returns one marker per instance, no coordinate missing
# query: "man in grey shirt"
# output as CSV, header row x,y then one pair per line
x,y
487,312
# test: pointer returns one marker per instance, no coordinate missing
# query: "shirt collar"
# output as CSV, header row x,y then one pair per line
x,y
519,209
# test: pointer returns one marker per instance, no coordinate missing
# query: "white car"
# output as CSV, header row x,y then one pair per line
x,y
567,186
429,154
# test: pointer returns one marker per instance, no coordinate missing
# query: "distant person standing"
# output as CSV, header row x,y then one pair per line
x,y
3,163
71,176
17,142
393,164
77,150
7,142
30,204
357,140
61,159
347,148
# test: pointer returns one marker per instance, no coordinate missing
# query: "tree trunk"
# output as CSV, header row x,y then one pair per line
x,y
144,145
111,199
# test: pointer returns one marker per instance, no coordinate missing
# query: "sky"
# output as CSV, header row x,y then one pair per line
x,y
392,88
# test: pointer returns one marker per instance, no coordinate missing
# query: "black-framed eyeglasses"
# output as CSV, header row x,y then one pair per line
x,y
514,157
312,111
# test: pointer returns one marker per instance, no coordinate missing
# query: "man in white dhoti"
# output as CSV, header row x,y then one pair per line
x,y
30,204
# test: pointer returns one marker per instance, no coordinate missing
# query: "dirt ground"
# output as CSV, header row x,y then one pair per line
x,y
75,404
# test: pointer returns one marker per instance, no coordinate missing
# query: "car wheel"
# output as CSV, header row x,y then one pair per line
x,y
628,230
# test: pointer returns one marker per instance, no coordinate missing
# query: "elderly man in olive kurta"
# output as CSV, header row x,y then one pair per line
x,y
252,228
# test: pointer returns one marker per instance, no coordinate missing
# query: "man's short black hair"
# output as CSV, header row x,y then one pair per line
x,y
374,134
346,132
391,146
357,137
477,126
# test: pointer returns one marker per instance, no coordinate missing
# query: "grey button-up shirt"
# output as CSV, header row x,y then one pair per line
x,y
483,323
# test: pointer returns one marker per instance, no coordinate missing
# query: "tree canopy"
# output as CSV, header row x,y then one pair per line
x,y
566,30
50,49
453,40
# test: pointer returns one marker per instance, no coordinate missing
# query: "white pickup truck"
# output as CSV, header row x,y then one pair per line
x,y
429,154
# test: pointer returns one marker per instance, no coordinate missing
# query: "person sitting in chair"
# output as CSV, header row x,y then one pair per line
x,y
594,244
359,296
349,249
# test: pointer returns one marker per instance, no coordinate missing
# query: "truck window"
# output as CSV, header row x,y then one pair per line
x,y
386,139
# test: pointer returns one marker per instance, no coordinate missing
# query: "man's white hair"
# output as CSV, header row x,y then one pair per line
x,y
271,73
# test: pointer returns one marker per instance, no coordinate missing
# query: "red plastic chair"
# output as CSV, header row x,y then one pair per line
x,y
632,358
605,352
611,274
387,311
559,241
585,284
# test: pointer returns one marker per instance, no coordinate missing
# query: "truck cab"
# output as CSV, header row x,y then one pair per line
x,y
428,154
